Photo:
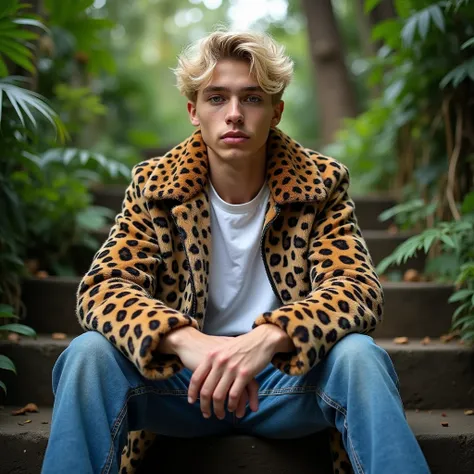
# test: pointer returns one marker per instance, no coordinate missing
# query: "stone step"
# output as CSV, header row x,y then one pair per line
x,y
381,244
411,309
447,449
368,208
439,375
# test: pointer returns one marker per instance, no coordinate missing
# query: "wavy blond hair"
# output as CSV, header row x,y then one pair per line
x,y
273,69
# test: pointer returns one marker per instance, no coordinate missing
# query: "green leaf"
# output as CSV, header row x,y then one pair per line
x,y
7,364
19,328
468,336
437,16
460,310
408,31
424,22
466,321
4,387
468,43
460,295
6,308
446,239
369,5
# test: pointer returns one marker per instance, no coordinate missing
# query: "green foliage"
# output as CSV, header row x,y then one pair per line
x,y
409,213
7,312
86,33
14,39
411,138
27,103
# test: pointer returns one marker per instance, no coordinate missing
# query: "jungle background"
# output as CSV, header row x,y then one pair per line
x,y
87,91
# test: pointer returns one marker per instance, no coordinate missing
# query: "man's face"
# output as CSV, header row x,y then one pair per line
x,y
234,113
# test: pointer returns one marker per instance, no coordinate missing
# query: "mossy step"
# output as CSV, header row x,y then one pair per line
x,y
447,449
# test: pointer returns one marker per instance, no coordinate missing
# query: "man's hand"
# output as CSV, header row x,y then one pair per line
x,y
227,369
192,347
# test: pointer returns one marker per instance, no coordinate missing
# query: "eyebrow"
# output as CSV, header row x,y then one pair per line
x,y
227,89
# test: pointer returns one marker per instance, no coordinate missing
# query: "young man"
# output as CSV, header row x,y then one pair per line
x,y
234,283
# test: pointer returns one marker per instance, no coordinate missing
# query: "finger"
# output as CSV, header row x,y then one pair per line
x,y
252,388
236,392
208,387
220,393
240,412
197,379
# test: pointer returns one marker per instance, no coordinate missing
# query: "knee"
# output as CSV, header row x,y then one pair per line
x,y
86,352
358,352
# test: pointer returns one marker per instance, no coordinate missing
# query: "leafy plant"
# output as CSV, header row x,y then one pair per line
x,y
14,38
7,312
417,138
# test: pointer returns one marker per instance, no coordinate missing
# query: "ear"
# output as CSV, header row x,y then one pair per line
x,y
192,114
277,113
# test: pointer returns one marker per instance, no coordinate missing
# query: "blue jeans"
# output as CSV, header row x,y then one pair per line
x,y
100,396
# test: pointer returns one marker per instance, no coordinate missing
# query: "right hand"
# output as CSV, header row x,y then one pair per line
x,y
192,347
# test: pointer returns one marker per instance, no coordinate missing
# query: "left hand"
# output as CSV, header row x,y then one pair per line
x,y
231,367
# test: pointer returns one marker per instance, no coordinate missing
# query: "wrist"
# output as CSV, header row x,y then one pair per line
x,y
276,338
174,340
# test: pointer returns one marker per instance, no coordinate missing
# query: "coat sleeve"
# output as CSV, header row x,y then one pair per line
x,y
346,295
116,295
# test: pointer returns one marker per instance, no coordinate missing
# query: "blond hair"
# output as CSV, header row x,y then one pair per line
x,y
273,69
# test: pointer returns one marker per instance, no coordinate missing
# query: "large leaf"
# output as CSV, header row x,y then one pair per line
x,y
3,387
27,102
7,364
19,328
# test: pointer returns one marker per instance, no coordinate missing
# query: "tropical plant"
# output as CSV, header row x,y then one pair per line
x,y
7,312
419,137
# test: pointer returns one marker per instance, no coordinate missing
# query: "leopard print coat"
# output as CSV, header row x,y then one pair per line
x,y
151,274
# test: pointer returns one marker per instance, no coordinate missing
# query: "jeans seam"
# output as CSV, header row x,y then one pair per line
x,y
332,403
288,390
119,419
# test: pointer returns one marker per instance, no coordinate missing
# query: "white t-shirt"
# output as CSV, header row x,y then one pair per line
x,y
239,289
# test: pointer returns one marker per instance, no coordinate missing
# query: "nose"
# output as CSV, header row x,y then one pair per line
x,y
234,112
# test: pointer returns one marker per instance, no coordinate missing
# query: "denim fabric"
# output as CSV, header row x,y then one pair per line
x,y
100,396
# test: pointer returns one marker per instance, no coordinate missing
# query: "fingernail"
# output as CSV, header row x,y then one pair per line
x,y
190,400
205,415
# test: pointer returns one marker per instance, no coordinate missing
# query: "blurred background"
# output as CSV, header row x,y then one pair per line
x,y
87,91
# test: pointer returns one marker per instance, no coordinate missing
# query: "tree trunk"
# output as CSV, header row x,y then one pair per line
x,y
333,86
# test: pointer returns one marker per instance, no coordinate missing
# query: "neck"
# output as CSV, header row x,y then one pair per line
x,y
237,183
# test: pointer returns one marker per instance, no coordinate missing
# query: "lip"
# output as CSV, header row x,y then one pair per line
x,y
234,138
235,134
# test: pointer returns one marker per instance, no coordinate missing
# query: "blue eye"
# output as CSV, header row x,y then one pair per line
x,y
215,99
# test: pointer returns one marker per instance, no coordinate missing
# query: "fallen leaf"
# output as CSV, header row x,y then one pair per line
x,y
425,341
443,414
45,423
27,421
411,275
392,229
29,408
42,274
448,337
58,335
444,423
469,412
14,337
32,265
401,340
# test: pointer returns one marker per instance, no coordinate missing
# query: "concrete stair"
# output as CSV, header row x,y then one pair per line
x,y
435,379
